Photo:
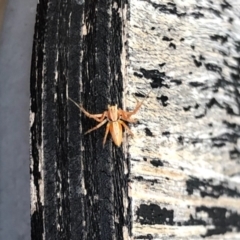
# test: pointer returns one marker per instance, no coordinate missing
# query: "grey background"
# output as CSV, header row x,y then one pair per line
x,y
15,60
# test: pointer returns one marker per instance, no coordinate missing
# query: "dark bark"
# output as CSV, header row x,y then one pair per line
x,y
83,183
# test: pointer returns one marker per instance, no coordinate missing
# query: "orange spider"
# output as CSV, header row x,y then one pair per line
x,y
115,117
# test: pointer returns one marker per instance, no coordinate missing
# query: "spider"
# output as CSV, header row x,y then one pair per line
x,y
115,117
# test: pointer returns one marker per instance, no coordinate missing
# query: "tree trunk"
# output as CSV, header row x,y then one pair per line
x,y
178,177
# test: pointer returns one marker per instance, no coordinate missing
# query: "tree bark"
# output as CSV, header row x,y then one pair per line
x,y
178,177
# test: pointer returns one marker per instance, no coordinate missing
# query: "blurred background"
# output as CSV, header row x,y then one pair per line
x,y
17,19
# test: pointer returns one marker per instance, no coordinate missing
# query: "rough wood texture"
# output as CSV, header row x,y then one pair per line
x,y
178,178
185,157
79,189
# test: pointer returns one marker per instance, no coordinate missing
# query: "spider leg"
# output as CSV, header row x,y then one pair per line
x,y
97,117
125,117
96,127
138,105
129,114
78,105
126,127
106,133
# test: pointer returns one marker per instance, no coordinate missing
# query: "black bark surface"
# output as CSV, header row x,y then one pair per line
x,y
79,185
